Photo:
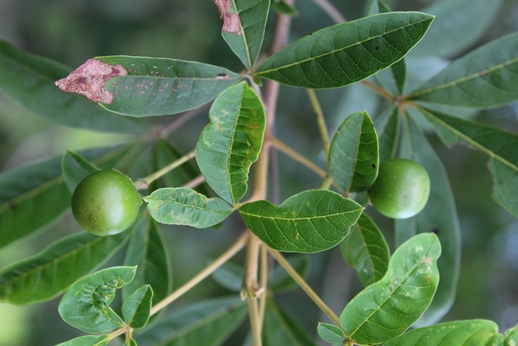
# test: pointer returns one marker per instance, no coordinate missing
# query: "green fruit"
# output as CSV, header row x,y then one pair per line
x,y
105,203
401,189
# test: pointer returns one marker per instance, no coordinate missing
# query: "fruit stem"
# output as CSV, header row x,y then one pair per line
x,y
321,122
143,183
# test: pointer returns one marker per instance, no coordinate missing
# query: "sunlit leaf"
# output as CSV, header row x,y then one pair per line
x,y
511,336
87,340
137,306
366,250
29,79
388,307
440,202
184,206
353,154
245,35
231,143
75,168
85,305
207,323
45,275
500,145
486,77
346,53
470,332
311,221
159,86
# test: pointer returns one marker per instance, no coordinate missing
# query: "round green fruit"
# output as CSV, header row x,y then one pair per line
x,y
105,203
401,189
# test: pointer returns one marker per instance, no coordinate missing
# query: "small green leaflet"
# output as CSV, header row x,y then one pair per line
x,y
346,53
85,305
231,143
353,154
331,334
311,221
486,77
388,307
137,306
184,206
88,340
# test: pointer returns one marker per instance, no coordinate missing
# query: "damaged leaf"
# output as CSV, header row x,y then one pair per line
x,y
231,21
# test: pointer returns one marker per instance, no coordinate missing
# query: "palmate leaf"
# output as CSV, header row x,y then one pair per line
x,y
486,77
245,35
184,206
45,275
441,202
158,86
231,143
346,53
388,307
500,145
85,305
470,332
311,221
29,80
353,153
207,323
366,250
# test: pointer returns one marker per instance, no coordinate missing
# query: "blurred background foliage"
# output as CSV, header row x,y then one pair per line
x,y
73,31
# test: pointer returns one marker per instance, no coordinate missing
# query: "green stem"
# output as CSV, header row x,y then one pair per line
x,y
143,183
321,122
303,284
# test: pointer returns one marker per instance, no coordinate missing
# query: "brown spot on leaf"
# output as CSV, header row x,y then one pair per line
x,y
231,21
89,80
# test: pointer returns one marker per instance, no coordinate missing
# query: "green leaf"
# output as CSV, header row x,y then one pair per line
x,y
131,343
282,7
353,153
388,307
137,307
231,143
230,276
366,250
88,340
159,86
207,323
500,145
470,332
85,305
440,202
148,251
280,281
387,127
480,79
75,168
331,334
243,27
458,25
311,221
28,80
511,336
346,53
282,329
45,275
184,206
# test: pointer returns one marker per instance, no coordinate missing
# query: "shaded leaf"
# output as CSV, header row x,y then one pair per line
x,y
500,145
282,7
353,153
88,340
480,79
85,305
311,221
247,40
159,86
230,276
366,250
207,323
331,334
137,306
45,275
388,307
457,26
231,143
280,281
440,202
346,53
470,332
387,127
75,168
29,79
183,206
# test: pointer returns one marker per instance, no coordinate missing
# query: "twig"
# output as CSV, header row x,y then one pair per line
x,y
330,10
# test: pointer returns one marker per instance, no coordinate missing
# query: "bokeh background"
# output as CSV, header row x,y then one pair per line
x,y
72,31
